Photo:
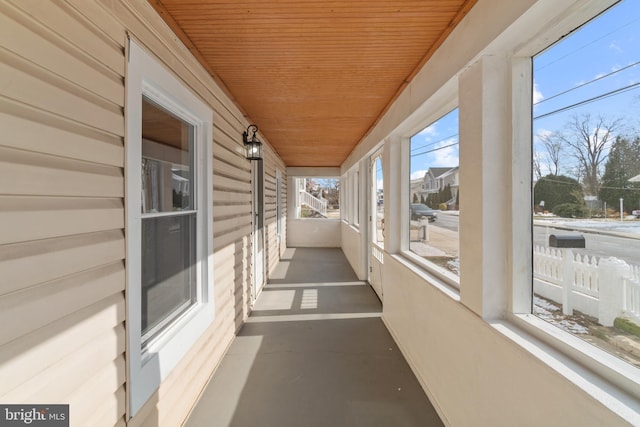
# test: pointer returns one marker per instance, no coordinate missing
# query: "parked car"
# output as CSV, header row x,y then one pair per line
x,y
419,210
636,213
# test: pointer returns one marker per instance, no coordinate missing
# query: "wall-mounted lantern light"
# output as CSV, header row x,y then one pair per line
x,y
252,144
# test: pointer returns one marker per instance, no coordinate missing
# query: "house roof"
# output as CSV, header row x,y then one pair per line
x,y
635,179
436,172
314,76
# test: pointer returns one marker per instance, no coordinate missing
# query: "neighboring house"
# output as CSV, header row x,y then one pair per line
x,y
417,189
436,179
635,179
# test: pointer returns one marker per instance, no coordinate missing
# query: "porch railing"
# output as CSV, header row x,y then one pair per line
x,y
317,204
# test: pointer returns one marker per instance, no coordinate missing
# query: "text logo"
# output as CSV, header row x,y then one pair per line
x,y
34,415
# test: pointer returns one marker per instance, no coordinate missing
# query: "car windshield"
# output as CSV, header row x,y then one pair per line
x,y
420,207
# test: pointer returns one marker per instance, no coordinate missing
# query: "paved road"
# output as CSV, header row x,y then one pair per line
x,y
597,243
600,245
447,220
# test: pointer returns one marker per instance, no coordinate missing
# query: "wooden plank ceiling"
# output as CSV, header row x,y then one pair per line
x,y
315,76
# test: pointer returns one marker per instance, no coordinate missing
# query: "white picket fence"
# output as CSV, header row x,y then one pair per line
x,y
605,288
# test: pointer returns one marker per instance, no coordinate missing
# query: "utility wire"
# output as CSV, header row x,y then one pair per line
x,y
558,181
589,100
435,149
434,142
577,183
587,83
574,51
621,188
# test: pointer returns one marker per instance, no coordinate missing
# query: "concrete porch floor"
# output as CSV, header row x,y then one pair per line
x,y
314,352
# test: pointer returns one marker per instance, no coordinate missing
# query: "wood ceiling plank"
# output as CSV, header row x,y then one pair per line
x,y
315,75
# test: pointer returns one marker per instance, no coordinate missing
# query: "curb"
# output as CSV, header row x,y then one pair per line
x,y
542,223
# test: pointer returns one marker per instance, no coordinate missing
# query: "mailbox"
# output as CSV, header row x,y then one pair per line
x,y
566,241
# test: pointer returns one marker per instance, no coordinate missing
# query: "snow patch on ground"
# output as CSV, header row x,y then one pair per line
x,y
454,265
628,226
552,314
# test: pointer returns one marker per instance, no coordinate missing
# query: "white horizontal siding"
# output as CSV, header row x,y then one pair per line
x,y
44,132
33,218
39,305
63,256
62,210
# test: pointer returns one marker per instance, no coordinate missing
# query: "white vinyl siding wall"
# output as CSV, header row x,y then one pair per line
x,y
62,235
61,213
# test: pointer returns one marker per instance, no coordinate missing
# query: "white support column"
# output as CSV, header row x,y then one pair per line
x,y
364,177
485,185
520,266
393,211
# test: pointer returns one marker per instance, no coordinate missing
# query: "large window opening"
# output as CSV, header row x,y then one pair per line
x,y
434,196
377,199
586,183
355,198
317,197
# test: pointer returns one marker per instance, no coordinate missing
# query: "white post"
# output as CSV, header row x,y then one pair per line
x,y
424,228
611,271
621,209
567,281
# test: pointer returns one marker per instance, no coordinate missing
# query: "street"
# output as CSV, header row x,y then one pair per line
x,y
448,220
598,242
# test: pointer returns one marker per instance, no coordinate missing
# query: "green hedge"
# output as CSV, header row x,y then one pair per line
x,y
571,210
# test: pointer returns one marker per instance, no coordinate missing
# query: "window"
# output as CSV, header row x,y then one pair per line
x,y
377,199
169,229
586,153
317,197
434,196
279,206
355,198
346,208
168,219
351,206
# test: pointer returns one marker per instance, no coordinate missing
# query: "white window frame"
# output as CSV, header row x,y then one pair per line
x,y
354,200
279,207
441,105
345,208
149,366
605,366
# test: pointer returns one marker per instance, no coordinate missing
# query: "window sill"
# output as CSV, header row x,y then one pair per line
x,y
319,219
609,380
434,278
432,271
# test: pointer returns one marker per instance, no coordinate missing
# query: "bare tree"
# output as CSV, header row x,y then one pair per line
x,y
553,146
537,168
589,141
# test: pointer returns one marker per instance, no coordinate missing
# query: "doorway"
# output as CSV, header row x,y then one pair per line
x,y
376,224
258,234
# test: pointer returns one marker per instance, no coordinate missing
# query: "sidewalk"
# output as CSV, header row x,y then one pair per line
x,y
440,242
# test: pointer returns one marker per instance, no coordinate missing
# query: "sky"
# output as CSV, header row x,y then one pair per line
x,y
597,59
